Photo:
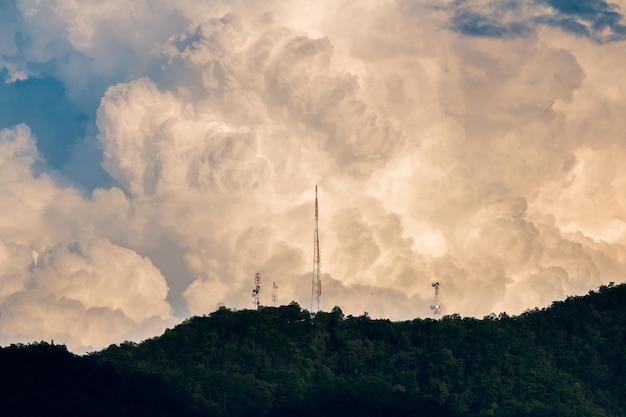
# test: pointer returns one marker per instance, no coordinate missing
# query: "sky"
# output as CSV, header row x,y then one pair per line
x,y
156,155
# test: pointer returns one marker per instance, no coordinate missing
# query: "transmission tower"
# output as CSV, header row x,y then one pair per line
x,y
256,292
316,280
436,307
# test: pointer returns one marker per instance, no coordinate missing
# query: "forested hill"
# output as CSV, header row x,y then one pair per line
x,y
566,360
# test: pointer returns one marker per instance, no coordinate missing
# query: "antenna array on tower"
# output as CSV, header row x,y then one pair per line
x,y
436,307
256,292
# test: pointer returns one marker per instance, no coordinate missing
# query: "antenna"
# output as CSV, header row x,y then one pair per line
x,y
316,280
436,307
256,292
274,293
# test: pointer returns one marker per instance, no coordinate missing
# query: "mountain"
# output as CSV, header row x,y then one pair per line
x,y
565,360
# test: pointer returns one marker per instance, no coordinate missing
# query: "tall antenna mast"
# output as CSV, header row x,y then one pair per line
x,y
256,292
436,307
316,280
274,293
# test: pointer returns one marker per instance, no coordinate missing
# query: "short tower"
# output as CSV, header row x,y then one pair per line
x,y
436,306
256,292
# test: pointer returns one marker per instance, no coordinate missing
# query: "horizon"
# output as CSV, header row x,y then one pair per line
x,y
453,316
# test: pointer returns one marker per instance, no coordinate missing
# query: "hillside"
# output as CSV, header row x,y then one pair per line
x,y
566,360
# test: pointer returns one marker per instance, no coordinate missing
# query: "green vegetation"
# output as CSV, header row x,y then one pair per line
x,y
566,360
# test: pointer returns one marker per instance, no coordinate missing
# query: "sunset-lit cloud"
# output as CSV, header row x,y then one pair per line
x,y
155,157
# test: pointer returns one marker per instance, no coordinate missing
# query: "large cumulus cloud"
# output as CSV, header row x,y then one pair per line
x,y
469,143
59,278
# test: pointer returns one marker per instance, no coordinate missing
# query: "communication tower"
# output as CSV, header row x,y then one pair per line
x,y
436,307
274,293
256,292
316,280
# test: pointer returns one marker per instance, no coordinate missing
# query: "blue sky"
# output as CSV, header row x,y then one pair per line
x,y
154,157
599,21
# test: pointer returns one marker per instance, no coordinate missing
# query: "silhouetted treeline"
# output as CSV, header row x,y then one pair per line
x,y
566,360
46,380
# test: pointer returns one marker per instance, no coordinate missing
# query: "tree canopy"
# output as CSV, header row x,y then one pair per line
x,y
565,360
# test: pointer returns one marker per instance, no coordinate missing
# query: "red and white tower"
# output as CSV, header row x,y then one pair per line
x,y
436,307
316,280
256,292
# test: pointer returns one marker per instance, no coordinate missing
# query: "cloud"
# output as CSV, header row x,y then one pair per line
x,y
472,143
44,107
13,70
87,295
80,289
509,19
597,20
